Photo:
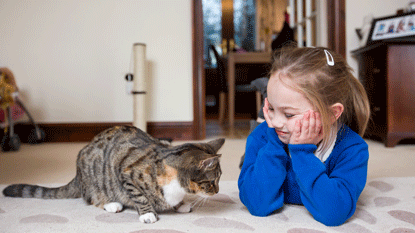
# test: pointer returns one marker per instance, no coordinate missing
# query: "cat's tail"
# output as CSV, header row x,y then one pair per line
x,y
70,190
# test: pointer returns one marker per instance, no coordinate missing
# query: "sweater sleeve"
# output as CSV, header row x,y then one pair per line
x,y
330,198
262,174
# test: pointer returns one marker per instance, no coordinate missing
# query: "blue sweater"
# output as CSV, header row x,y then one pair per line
x,y
330,190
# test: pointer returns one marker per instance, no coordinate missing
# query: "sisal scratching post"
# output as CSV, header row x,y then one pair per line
x,y
139,88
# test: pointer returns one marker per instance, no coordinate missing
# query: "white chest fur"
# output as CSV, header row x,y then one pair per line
x,y
173,193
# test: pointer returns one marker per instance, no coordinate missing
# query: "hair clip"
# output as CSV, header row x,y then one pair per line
x,y
330,60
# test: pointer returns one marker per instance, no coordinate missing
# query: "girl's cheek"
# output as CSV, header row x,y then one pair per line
x,y
292,121
296,118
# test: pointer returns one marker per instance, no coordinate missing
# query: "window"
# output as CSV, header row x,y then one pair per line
x,y
243,22
212,23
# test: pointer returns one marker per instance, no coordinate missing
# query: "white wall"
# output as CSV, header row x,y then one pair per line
x,y
70,57
356,10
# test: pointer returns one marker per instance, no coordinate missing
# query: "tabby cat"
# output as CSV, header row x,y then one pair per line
x,y
124,166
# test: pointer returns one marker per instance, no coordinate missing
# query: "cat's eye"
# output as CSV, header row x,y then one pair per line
x,y
207,182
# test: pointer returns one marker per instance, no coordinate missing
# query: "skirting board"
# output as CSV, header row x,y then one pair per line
x,y
84,132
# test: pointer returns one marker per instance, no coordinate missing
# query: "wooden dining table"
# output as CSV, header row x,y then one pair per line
x,y
233,59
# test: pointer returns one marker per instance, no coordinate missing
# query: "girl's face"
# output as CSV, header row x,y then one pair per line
x,y
285,107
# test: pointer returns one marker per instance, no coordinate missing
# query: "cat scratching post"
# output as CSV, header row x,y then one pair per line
x,y
139,88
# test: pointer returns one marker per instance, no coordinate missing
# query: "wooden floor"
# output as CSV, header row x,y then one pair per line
x,y
55,162
216,129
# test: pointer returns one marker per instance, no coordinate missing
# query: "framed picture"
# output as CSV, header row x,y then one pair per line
x,y
397,27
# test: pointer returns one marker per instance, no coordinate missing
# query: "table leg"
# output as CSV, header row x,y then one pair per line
x,y
231,90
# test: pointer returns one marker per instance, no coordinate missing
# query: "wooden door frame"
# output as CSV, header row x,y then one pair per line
x,y
336,16
199,121
336,25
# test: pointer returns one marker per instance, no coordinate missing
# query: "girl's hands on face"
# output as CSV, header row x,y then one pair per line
x,y
307,130
266,113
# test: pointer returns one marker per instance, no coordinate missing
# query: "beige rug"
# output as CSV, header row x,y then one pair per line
x,y
386,205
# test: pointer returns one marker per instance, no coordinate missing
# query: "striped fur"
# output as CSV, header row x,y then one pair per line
x,y
124,164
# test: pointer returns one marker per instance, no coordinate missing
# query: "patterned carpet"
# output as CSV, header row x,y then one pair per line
x,y
386,205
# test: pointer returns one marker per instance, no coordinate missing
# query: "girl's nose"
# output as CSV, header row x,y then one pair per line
x,y
278,121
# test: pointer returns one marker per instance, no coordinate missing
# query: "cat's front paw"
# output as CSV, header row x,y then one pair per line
x,y
185,208
148,218
113,207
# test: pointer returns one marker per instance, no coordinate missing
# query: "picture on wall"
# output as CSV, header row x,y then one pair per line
x,y
392,28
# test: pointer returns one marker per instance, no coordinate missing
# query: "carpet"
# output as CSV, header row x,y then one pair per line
x,y
386,205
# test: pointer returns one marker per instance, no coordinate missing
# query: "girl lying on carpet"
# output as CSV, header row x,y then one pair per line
x,y
310,150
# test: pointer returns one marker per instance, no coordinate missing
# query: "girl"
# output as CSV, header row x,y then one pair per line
x,y
310,150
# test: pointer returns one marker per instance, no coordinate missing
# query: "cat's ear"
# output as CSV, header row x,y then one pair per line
x,y
216,144
209,163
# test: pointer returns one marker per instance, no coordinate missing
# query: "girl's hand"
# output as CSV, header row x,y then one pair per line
x,y
266,114
307,130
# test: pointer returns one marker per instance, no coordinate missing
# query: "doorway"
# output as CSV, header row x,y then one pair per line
x,y
229,26
335,23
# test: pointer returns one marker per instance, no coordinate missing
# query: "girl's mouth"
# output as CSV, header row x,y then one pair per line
x,y
280,133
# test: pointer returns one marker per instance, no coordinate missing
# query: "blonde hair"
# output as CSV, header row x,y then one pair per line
x,y
324,85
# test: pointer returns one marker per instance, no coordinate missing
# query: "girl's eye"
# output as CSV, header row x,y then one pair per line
x,y
289,115
270,108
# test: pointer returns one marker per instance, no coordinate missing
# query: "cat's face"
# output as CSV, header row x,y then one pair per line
x,y
203,168
204,180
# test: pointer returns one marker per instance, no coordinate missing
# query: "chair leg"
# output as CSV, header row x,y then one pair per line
x,y
258,101
222,106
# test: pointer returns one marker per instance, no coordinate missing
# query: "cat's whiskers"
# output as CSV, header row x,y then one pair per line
x,y
200,201
205,201
196,201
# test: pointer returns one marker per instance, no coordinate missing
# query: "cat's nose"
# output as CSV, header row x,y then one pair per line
x,y
215,189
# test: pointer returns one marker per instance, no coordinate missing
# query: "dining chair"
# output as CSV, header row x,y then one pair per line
x,y
223,86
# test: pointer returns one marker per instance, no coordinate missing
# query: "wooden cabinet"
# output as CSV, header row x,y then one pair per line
x,y
387,71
